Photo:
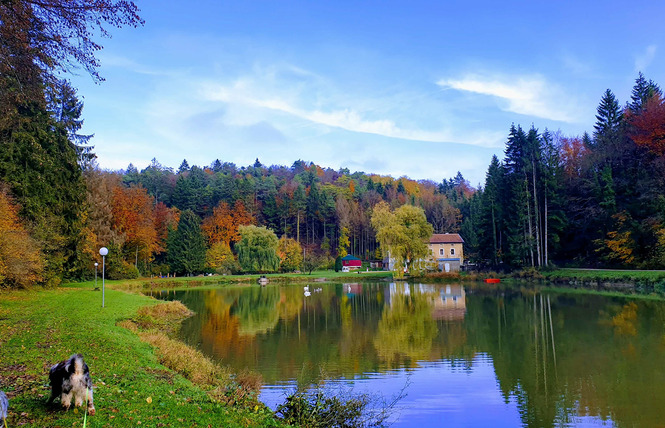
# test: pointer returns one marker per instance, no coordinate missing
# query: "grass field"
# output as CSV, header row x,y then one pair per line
x,y
38,328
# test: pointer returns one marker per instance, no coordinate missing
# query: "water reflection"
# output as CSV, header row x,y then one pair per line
x,y
548,359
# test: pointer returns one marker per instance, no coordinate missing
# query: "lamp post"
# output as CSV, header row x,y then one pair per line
x,y
103,252
96,264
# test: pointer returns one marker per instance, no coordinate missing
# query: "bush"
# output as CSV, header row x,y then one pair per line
x,y
122,270
338,264
315,408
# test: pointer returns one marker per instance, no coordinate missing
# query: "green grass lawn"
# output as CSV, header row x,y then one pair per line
x,y
39,328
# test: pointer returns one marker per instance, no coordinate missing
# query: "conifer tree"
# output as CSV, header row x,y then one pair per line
x,y
608,118
184,166
491,234
186,249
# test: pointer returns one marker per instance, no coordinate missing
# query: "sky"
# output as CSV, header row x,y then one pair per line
x,y
421,89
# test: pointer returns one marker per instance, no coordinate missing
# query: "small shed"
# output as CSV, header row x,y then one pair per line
x,y
351,262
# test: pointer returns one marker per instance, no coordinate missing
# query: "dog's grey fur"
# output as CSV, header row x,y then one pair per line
x,y
71,379
4,405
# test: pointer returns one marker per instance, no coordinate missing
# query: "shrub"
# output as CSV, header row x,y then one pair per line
x,y
316,408
122,270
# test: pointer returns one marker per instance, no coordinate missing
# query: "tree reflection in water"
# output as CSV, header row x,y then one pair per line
x,y
556,357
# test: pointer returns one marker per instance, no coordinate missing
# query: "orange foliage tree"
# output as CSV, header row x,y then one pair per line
x,y
165,218
648,126
222,225
133,217
20,259
573,152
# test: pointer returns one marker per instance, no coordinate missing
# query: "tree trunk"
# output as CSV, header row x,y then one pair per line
x,y
536,214
529,221
545,234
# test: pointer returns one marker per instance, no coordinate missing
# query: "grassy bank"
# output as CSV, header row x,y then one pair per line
x,y
132,386
606,275
221,280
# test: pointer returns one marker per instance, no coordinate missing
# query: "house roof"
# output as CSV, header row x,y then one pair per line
x,y
350,257
446,238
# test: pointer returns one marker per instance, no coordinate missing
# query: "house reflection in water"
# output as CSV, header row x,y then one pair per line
x,y
352,289
448,302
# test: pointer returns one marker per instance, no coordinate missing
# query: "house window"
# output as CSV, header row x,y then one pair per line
x,y
441,253
452,251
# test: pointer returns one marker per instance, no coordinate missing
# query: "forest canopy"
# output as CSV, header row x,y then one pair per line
x,y
594,200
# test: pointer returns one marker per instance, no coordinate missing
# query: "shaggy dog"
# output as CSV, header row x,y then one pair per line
x,y
4,405
71,378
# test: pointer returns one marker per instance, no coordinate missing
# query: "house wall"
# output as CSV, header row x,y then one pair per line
x,y
353,264
447,251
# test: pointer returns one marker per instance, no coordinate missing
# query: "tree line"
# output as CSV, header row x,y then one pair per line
x,y
593,200
590,200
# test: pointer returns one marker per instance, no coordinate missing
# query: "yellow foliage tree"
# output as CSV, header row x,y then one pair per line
x,y
344,242
218,256
619,244
402,234
290,254
20,259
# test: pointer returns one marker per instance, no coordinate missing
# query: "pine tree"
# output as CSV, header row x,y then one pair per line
x,y
608,118
186,249
491,233
66,110
184,167
642,91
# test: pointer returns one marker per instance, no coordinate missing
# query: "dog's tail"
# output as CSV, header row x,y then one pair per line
x,y
79,365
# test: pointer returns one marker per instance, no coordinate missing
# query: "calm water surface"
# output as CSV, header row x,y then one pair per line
x,y
465,356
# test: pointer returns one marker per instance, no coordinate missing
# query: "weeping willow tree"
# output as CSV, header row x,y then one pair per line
x,y
402,234
257,249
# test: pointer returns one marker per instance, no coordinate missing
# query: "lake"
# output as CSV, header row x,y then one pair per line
x,y
464,355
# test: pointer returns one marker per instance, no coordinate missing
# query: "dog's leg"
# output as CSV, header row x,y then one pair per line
x,y
91,406
78,400
66,399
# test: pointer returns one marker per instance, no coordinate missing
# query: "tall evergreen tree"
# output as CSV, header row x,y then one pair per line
x,y
186,248
642,91
184,166
492,220
608,118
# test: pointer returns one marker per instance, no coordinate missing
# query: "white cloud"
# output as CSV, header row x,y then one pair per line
x,y
644,59
527,95
254,92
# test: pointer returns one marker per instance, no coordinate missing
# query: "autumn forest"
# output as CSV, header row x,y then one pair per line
x,y
595,200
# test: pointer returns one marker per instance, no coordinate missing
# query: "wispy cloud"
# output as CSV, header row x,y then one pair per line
x,y
644,59
527,95
328,111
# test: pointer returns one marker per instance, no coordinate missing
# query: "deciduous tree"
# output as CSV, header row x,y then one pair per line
x,y
21,262
257,249
290,254
402,234
223,224
133,217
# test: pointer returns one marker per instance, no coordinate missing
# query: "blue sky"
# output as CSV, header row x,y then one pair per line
x,y
416,88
